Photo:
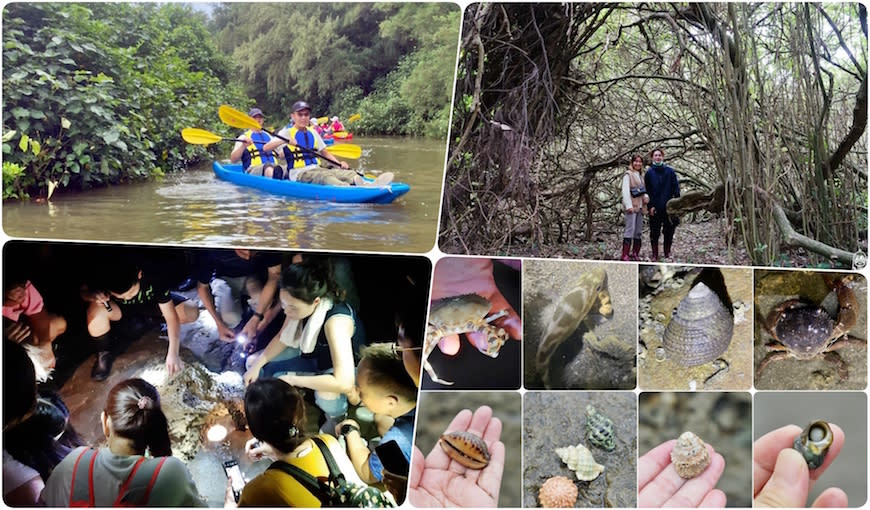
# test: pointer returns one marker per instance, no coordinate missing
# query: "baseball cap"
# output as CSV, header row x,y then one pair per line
x,y
255,111
301,105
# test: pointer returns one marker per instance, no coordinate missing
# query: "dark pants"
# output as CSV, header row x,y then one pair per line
x,y
658,223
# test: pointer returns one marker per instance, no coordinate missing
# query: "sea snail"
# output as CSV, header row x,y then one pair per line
x,y
813,443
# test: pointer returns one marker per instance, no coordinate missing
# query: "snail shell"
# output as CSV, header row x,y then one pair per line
x,y
813,443
690,455
558,492
579,459
700,330
599,429
466,449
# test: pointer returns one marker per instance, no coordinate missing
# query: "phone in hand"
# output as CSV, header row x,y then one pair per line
x,y
234,473
392,458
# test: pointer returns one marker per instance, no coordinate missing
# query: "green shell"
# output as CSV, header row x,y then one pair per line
x,y
599,429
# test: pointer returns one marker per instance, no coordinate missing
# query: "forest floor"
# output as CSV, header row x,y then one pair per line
x,y
701,242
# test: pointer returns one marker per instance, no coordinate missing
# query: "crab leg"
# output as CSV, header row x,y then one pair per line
x,y
432,337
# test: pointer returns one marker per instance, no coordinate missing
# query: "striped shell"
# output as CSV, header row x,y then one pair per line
x,y
599,429
579,459
690,455
813,443
558,492
465,448
700,329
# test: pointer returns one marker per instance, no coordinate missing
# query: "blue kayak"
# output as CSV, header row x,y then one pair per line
x,y
233,173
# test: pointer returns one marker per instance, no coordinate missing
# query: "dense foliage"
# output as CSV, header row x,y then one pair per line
x,y
391,63
760,107
97,93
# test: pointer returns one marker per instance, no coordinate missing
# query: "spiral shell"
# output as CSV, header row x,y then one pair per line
x,y
700,329
466,449
558,492
813,443
599,429
579,459
690,456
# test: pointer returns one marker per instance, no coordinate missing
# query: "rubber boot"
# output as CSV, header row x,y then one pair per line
x,y
655,251
626,246
635,249
103,364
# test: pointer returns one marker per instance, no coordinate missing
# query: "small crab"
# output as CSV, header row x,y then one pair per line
x,y
803,330
462,314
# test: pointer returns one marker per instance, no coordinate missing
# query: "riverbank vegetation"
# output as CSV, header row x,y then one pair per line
x,y
97,93
760,107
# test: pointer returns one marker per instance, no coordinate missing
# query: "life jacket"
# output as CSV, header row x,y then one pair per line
x,y
304,139
81,492
256,149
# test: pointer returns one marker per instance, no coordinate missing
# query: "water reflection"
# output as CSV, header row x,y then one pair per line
x,y
194,207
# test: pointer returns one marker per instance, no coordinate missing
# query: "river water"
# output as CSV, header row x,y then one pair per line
x,y
194,207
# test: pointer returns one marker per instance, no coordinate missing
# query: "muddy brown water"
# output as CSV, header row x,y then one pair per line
x,y
194,207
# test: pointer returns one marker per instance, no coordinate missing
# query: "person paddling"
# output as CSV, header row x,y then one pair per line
x,y
303,165
250,150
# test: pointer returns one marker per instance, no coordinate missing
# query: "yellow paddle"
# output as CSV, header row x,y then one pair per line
x,y
237,119
322,120
202,137
353,118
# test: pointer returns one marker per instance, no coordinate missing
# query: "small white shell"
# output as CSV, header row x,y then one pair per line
x,y
579,459
690,456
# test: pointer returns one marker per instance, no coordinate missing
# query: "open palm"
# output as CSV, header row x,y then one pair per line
x,y
438,481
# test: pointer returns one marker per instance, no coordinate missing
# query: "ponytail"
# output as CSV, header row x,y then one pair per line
x,y
134,407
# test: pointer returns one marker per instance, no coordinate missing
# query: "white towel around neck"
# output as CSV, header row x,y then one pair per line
x,y
305,338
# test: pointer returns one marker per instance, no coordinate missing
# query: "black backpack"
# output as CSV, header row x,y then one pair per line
x,y
335,491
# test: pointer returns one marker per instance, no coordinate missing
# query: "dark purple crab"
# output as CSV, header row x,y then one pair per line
x,y
803,330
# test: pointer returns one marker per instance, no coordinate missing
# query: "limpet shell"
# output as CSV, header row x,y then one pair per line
x,y
558,492
813,443
599,429
465,448
579,459
690,455
700,329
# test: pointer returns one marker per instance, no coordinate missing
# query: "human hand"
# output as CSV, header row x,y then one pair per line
x,y
439,481
224,332
457,276
252,374
343,423
17,332
173,364
256,450
229,496
652,211
344,165
250,329
659,485
780,474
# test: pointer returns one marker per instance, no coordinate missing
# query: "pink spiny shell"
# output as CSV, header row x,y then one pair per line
x,y
558,492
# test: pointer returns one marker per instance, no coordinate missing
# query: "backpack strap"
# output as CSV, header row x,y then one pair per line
x,y
313,485
140,478
77,498
335,473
